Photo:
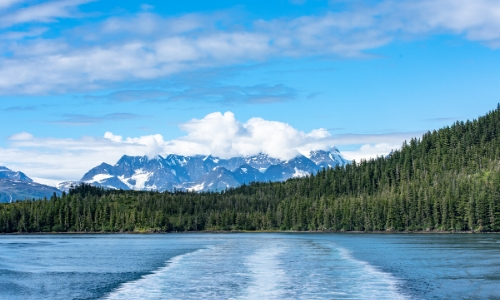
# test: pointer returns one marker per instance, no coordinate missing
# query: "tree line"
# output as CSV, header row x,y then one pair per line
x,y
449,179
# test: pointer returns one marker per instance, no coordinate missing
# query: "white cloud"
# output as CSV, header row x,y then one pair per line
x,y
148,46
217,134
17,35
391,138
43,13
477,20
224,136
66,159
22,136
368,151
7,3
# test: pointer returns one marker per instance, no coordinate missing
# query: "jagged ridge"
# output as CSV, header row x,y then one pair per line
x,y
204,173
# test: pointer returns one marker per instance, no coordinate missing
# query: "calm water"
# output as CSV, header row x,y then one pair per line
x,y
250,266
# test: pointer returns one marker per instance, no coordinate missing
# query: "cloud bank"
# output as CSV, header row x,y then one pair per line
x,y
147,46
218,134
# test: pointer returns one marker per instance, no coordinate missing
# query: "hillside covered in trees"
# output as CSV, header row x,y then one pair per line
x,y
448,179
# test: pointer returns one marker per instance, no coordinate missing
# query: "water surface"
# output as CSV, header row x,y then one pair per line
x,y
250,266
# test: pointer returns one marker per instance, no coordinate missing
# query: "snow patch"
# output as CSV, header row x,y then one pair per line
x,y
50,182
182,162
140,177
174,160
125,181
214,159
197,188
99,178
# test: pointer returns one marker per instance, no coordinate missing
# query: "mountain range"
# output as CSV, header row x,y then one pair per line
x,y
18,186
203,173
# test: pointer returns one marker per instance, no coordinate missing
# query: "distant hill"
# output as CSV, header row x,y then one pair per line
x,y
17,186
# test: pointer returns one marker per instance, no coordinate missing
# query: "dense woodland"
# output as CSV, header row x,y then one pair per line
x,y
448,179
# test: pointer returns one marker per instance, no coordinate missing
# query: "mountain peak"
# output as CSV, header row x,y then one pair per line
x,y
328,158
17,186
12,175
205,172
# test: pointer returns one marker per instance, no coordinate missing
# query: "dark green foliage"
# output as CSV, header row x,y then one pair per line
x,y
447,180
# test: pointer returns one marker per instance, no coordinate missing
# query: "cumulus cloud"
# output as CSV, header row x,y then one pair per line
x,y
224,136
218,134
148,46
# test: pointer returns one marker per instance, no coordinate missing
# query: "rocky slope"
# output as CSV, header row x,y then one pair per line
x,y
17,186
204,173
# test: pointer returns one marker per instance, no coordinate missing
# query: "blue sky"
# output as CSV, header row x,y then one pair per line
x,y
83,82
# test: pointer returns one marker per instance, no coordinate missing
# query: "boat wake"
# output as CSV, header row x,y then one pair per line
x,y
268,268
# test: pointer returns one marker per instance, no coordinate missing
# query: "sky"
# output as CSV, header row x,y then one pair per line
x,y
84,82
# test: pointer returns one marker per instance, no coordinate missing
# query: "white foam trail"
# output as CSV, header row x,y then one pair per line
x,y
375,284
264,269
148,286
268,278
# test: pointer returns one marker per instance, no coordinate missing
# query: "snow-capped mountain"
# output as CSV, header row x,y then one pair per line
x,y
203,173
218,179
299,166
134,172
246,174
6,173
328,159
18,186
260,162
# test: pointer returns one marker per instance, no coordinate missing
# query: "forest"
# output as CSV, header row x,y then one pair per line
x,y
446,180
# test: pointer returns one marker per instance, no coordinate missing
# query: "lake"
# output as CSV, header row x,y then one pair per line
x,y
250,266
